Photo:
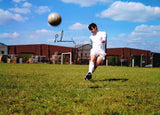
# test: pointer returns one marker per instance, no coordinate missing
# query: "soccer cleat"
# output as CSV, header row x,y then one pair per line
x,y
88,76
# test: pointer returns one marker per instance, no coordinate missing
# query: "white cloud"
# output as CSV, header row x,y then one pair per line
x,y
86,3
17,1
27,4
43,36
154,46
7,17
19,18
43,33
42,9
20,10
145,31
78,26
142,37
130,11
122,35
10,35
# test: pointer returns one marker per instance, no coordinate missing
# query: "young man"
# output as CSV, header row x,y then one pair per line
x,y
97,53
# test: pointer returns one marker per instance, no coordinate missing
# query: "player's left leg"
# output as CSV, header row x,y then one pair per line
x,y
98,62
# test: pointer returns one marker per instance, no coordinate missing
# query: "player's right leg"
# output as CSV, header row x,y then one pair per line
x,y
91,67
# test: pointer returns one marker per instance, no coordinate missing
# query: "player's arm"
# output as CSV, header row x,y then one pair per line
x,y
104,37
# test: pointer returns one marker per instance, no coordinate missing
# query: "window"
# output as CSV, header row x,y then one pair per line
x,y
2,52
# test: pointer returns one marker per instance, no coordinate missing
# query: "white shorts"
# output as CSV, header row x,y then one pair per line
x,y
98,53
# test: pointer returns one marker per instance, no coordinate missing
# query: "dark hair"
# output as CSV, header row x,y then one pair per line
x,y
92,25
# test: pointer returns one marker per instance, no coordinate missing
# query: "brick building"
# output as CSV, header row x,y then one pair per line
x,y
126,56
39,50
115,56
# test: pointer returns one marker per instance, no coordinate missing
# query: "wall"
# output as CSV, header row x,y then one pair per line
x,y
127,53
123,54
39,50
3,49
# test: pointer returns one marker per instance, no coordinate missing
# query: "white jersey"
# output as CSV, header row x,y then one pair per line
x,y
96,41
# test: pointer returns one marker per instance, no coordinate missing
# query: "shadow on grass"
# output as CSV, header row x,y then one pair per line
x,y
113,79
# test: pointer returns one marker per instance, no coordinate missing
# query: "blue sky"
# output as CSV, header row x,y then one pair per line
x,y
128,23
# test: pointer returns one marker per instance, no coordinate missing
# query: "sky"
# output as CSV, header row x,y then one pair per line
x,y
128,23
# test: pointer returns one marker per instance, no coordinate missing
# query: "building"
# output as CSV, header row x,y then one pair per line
x,y
128,57
42,50
155,59
3,49
3,52
81,53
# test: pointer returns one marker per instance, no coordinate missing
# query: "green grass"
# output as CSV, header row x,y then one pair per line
x,y
61,89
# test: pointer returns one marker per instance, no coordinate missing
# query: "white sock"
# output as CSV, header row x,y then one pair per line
x,y
91,67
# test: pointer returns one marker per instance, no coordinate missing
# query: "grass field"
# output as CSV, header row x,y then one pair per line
x,y
61,89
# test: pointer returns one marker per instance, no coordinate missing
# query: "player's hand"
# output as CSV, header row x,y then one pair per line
x,y
103,41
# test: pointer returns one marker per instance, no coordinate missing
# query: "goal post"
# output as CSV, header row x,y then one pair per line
x,y
70,55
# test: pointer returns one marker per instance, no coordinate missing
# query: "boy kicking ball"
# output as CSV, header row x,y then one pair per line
x,y
97,53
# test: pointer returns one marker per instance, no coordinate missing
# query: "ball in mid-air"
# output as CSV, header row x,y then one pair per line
x,y
54,19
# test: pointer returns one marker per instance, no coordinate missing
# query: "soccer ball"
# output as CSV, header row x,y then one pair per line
x,y
54,19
